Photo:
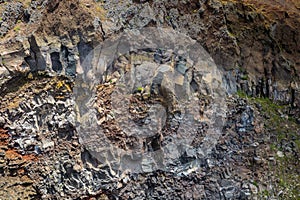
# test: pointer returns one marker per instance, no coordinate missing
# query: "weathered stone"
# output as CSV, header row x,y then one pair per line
x,y
260,50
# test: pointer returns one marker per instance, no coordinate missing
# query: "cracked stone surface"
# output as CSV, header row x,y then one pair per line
x,y
62,78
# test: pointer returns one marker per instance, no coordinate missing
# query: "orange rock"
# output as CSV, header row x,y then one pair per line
x,y
30,157
4,137
12,155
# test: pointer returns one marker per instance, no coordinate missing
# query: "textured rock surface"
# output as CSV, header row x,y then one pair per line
x,y
152,102
44,44
256,42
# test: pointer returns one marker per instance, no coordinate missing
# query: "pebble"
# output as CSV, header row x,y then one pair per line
x,y
77,168
280,154
255,144
258,160
271,158
47,144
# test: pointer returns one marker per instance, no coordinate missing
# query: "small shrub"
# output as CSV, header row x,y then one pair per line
x,y
17,28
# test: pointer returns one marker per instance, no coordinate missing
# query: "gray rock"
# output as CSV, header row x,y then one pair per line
x,y
11,14
2,121
181,67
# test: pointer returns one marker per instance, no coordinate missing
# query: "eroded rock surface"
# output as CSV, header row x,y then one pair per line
x,y
44,45
151,104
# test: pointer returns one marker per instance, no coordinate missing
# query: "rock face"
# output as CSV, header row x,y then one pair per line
x,y
244,38
9,17
13,171
49,42
152,102
256,42
65,65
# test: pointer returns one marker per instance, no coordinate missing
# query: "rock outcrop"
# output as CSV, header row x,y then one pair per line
x,y
255,42
45,58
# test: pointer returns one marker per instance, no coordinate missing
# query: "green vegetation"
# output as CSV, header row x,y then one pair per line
x,y
242,94
17,28
140,89
244,77
288,178
275,122
265,194
283,129
230,34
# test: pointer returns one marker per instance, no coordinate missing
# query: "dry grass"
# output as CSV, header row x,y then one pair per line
x,y
271,8
94,8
